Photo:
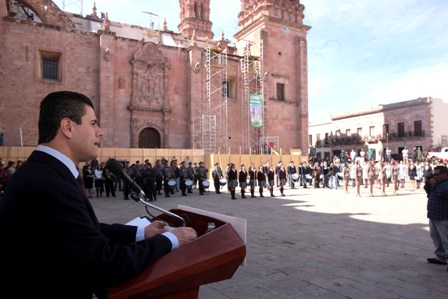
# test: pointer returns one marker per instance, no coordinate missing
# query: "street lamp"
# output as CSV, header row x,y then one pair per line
x,y
387,147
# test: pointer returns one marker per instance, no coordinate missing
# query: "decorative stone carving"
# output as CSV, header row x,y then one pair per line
x,y
134,123
106,23
121,82
166,125
291,11
149,77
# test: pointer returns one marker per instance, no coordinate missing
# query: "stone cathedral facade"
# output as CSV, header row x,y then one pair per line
x,y
158,88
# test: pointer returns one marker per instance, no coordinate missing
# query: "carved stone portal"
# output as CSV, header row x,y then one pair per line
x,y
149,77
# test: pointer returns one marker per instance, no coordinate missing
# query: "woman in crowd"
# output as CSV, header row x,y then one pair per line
x,y
402,173
346,175
394,176
271,179
412,172
252,179
420,172
242,179
317,172
371,176
232,176
87,176
261,178
358,177
282,178
382,177
99,179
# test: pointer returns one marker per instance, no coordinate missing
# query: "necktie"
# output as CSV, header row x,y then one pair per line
x,y
80,181
81,184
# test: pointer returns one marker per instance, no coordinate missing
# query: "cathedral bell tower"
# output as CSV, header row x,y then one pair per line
x,y
276,33
195,16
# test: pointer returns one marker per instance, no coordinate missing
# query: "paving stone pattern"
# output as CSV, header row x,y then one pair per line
x,y
318,243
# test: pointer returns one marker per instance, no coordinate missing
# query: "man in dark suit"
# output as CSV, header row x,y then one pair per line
x,y
303,171
52,243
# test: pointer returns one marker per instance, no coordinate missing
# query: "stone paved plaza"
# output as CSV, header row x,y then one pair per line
x,y
318,243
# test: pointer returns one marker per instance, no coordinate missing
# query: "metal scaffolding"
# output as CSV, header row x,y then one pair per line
x,y
75,6
253,84
210,130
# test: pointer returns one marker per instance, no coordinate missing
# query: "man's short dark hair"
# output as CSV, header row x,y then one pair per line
x,y
442,169
57,106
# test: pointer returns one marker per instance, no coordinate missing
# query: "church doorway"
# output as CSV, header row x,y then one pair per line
x,y
149,138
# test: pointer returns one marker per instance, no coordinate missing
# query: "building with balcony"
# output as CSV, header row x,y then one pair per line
x,y
414,123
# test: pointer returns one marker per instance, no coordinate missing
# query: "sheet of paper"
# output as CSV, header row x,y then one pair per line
x,y
139,221
143,222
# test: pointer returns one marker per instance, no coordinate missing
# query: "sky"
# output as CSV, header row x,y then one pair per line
x,y
361,53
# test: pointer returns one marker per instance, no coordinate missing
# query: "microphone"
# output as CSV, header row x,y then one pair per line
x,y
117,168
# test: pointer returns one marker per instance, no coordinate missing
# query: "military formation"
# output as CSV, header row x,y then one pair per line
x,y
165,178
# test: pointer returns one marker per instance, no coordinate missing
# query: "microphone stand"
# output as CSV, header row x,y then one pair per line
x,y
137,198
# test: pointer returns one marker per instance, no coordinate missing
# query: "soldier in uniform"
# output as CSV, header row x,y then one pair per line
x,y
195,181
177,174
149,181
202,174
217,175
183,176
191,176
282,178
303,171
291,170
158,174
168,174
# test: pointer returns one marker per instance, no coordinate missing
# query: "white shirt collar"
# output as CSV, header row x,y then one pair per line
x,y
61,157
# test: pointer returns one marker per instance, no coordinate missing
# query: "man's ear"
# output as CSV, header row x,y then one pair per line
x,y
67,127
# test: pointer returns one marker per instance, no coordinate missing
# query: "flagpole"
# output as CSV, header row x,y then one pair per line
x,y
21,136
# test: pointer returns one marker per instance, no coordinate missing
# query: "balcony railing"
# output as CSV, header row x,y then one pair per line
x,y
354,139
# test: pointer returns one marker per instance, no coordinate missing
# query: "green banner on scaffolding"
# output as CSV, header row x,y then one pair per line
x,y
256,110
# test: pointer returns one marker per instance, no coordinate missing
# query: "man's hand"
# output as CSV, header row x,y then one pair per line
x,y
184,234
156,227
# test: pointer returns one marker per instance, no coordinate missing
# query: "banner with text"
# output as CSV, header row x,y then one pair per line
x,y
256,110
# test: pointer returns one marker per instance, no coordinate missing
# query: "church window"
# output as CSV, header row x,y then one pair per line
x,y
50,66
50,69
372,131
195,10
418,130
280,91
400,130
225,89
229,88
359,133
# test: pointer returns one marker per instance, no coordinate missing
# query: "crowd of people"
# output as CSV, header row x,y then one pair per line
x,y
168,177
360,173
164,178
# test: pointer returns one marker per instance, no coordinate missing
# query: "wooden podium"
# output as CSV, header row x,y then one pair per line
x,y
212,257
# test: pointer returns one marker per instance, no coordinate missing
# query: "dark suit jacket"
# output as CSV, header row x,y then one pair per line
x,y
52,244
